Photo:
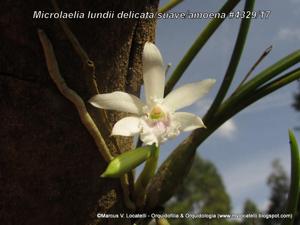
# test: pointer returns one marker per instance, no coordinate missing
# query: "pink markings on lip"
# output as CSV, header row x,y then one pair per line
x,y
161,126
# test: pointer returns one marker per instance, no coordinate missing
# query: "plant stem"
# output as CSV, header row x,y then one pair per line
x,y
146,175
198,44
235,59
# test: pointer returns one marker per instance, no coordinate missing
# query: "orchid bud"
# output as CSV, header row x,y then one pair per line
x,y
127,161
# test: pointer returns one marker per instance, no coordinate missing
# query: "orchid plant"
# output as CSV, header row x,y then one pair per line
x,y
155,120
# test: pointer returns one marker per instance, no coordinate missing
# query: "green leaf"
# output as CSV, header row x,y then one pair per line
x,y
127,161
170,5
293,197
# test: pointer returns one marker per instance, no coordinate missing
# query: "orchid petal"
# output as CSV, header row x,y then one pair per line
x,y
149,139
128,126
187,94
153,73
188,121
119,101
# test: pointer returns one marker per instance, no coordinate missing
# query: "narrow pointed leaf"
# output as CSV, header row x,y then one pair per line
x,y
168,6
293,196
235,58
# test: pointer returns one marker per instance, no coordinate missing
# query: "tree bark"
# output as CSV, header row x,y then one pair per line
x,y
49,164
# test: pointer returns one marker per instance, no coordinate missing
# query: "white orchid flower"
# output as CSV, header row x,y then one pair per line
x,y
156,120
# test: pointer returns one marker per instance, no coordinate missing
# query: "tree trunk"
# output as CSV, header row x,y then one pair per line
x,y
49,164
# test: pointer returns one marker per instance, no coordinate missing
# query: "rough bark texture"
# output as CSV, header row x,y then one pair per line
x,y
49,164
